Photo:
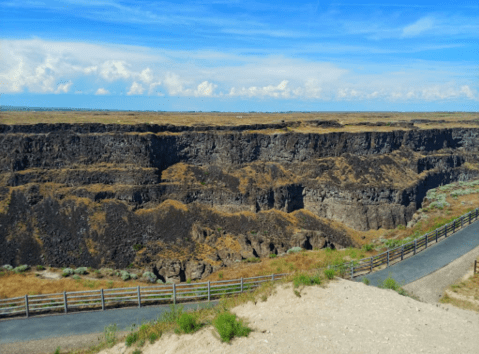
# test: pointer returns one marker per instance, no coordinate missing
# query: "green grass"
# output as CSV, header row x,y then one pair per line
x,y
329,273
305,280
229,327
188,323
131,338
390,283
110,334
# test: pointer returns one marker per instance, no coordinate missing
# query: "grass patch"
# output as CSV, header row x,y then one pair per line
x,y
229,327
187,323
306,280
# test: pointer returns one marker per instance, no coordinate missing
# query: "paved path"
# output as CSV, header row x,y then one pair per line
x,y
41,327
430,260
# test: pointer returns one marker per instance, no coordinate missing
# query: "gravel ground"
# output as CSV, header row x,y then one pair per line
x,y
343,317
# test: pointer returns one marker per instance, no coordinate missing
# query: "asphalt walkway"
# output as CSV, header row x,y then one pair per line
x,y
429,260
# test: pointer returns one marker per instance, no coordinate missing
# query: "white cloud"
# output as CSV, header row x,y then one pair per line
x,y
146,75
102,91
174,84
135,89
64,87
466,90
114,70
205,89
418,27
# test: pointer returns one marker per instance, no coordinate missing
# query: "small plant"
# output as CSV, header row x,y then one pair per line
x,y
81,270
125,275
130,266
329,273
187,323
297,293
228,327
110,334
137,351
294,250
305,280
220,275
153,337
137,247
367,247
40,267
57,351
133,276
173,315
366,281
150,276
21,269
7,267
131,338
272,255
109,284
390,283
76,277
188,281
401,227
252,260
66,272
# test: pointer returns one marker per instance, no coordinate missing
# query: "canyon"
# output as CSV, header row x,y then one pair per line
x,y
186,200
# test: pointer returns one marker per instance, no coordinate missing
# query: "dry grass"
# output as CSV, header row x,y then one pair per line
x,y
13,285
211,118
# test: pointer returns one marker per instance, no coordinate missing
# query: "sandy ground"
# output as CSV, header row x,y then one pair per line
x,y
343,317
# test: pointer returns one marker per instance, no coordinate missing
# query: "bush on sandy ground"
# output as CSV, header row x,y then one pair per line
x,y
67,271
228,326
80,270
305,280
149,276
7,267
188,323
125,275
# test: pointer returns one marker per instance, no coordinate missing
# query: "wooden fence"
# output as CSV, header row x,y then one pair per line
x,y
140,295
395,255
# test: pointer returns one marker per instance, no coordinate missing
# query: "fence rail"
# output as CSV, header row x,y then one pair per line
x,y
397,254
104,298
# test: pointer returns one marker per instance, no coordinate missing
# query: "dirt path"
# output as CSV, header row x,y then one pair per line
x,y
344,317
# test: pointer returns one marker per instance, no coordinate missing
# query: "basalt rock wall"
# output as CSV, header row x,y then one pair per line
x,y
189,200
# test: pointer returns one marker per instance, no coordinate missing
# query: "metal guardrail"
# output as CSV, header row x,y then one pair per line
x,y
366,265
140,295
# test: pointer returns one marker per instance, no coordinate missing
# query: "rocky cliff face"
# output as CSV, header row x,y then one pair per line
x,y
188,200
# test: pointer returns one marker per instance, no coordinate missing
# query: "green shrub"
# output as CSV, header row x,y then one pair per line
x,y
150,276
7,267
173,315
137,247
125,275
159,281
131,338
57,351
272,255
137,351
76,277
81,270
368,247
67,271
329,273
133,276
294,250
21,268
303,279
252,260
40,267
110,334
153,337
366,281
187,323
401,227
390,283
228,327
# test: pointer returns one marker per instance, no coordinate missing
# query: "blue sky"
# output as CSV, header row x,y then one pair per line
x,y
240,55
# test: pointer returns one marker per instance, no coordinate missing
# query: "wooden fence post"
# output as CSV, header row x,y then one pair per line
x,y
462,222
272,277
352,270
209,292
371,264
445,230
139,297
426,240
102,300
241,284
402,252
26,305
174,294
388,258
65,301
415,245
436,235
454,226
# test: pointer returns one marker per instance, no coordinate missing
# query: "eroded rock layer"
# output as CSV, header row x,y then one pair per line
x,y
187,202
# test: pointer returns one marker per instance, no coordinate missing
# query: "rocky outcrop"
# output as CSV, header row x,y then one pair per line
x,y
189,200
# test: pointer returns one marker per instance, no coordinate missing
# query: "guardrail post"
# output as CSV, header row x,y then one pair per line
x,y
462,222
415,245
139,297
436,235
445,231
402,252
209,291
65,301
174,294
426,239
454,226
102,300
388,258
26,305
241,284
470,218
371,264
272,277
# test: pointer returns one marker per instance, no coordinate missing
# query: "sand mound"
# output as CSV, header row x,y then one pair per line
x,y
343,317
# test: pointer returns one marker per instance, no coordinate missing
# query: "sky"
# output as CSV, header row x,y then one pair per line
x,y
240,56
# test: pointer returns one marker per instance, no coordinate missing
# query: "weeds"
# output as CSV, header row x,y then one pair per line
x,y
305,280
329,273
188,323
110,334
228,326
131,338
